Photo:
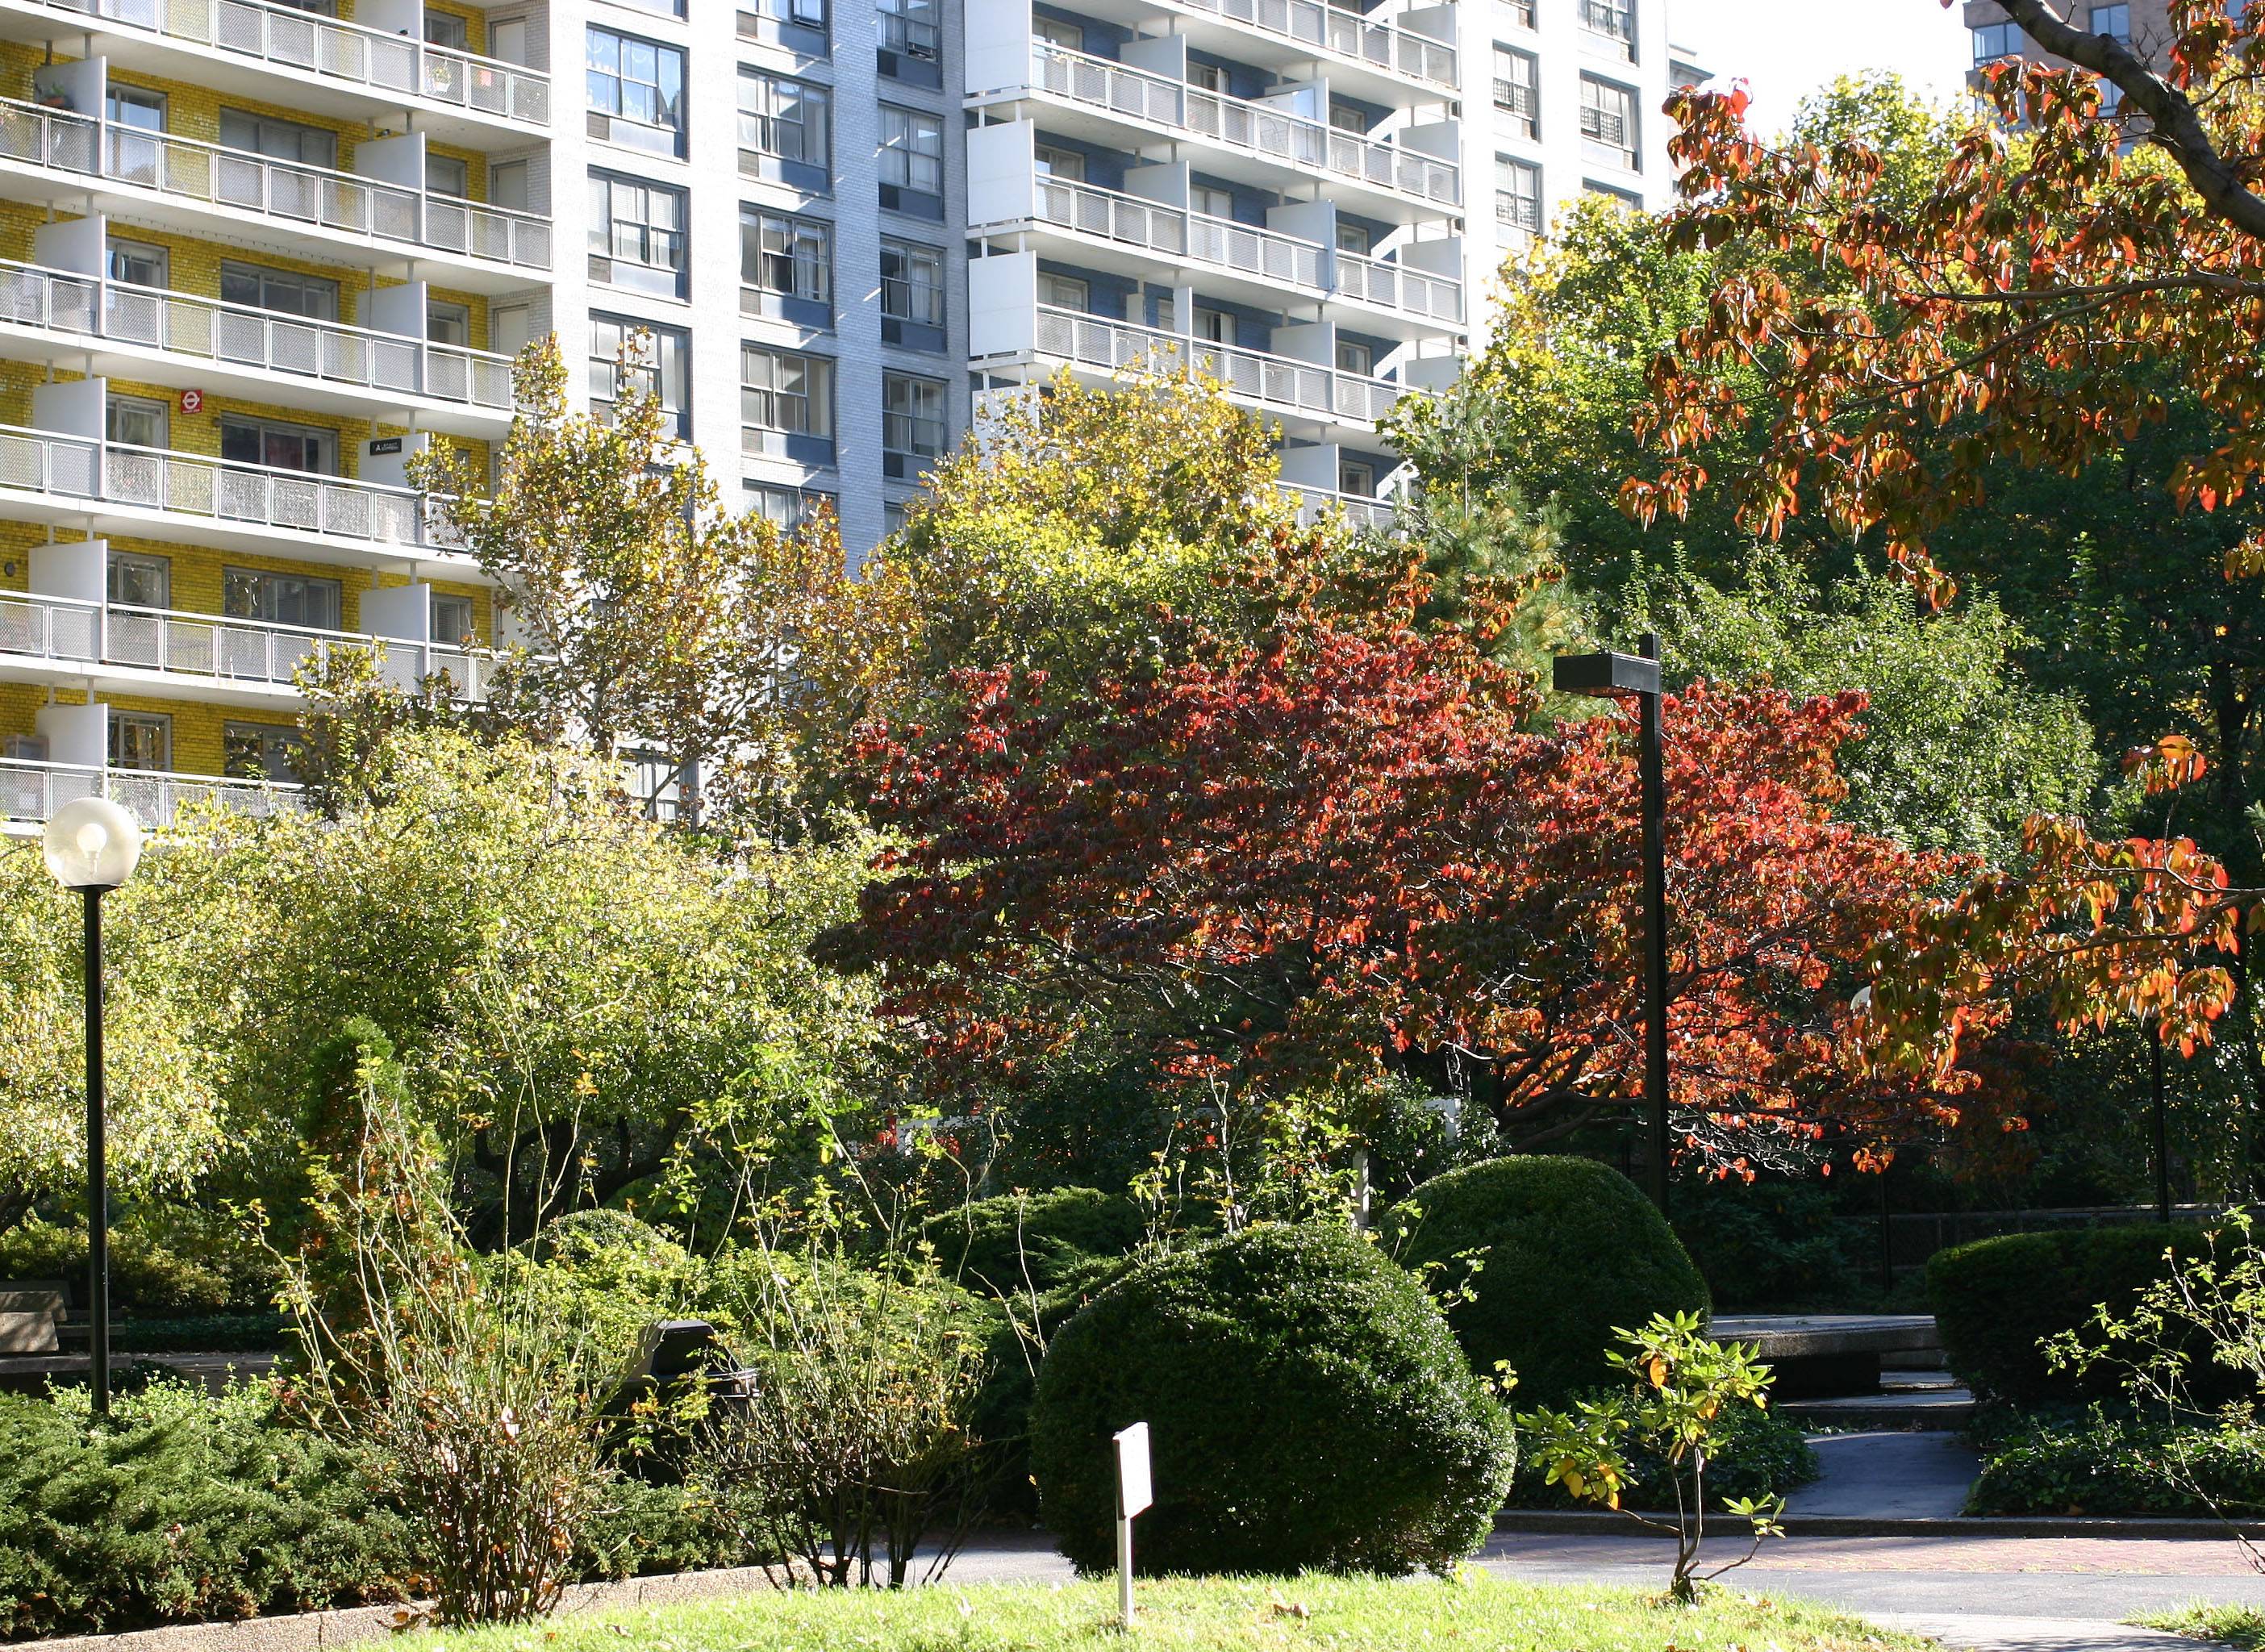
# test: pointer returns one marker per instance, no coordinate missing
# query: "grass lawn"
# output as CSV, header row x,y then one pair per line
x,y
2212,1620
1327,1614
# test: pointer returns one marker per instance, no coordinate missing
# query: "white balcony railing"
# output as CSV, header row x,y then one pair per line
x,y
183,324
296,42
80,467
1347,34
214,647
1278,382
30,792
1255,128
1265,255
1360,509
285,191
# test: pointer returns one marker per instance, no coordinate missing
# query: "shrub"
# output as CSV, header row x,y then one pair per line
x,y
187,1507
145,1274
2101,1464
1774,1245
1020,1244
1307,1404
1544,1259
1758,1453
1996,1299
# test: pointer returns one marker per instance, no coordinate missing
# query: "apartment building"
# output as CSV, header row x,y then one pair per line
x,y
2143,24
255,253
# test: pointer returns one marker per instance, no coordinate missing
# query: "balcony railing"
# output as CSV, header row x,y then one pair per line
x,y
183,324
216,647
1361,510
1255,128
296,42
1265,255
1278,382
286,191
80,467
32,791
1347,34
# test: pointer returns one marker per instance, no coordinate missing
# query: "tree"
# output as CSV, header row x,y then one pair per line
x,y
645,613
570,991
1308,857
2026,308
164,1099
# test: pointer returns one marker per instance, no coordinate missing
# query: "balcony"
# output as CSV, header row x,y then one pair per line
x,y
1132,234
1124,96
1367,57
183,339
29,792
1359,509
192,498
125,648
297,210
283,54
1311,392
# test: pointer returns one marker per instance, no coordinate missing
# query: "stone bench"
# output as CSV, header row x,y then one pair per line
x,y
31,1314
1819,1355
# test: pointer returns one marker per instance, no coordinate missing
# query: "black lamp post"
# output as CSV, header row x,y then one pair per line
x,y
1615,676
93,844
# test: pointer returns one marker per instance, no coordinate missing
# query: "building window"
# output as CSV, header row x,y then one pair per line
x,y
911,283
1050,161
1517,90
800,25
1518,195
658,8
1608,123
896,516
637,235
786,267
1995,41
909,28
136,421
1064,292
448,175
447,30
636,91
783,123
912,422
1354,238
139,264
1358,477
142,740
507,187
2113,21
1519,12
255,287
446,322
1353,356
912,161
1626,199
455,623
279,445
786,404
790,507
629,356
1070,37
137,581
259,751
1612,23
280,598
278,140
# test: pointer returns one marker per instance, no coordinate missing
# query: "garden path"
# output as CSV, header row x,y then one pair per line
x,y
1889,1475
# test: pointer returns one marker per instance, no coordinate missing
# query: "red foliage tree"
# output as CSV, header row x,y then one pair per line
x,y
1334,850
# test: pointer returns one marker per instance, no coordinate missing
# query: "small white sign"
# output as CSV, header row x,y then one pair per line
x,y
1134,1491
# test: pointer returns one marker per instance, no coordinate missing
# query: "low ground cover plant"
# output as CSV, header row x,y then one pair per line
x,y
1347,1614
1309,1409
2109,1461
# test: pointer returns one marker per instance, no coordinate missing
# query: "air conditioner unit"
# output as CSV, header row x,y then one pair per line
x,y
24,748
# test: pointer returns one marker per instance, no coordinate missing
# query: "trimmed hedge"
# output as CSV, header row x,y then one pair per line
x,y
1307,1409
1995,1298
1551,1255
1021,1243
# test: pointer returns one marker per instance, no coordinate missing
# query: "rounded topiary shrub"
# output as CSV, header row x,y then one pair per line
x,y
1307,1407
1547,1257
1995,1299
1020,1243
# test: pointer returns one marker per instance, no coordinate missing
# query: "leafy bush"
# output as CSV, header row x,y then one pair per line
x,y
1773,1244
143,1273
1020,1244
1996,1299
1543,1259
1308,1405
2105,1464
1758,1453
188,1507
613,1273
202,1333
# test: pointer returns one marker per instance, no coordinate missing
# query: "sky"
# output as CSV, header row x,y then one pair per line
x,y
1784,50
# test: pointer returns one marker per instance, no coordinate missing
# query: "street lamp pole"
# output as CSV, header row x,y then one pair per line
x,y
1618,676
92,845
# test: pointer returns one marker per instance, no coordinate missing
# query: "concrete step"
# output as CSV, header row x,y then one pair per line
x,y
1929,1408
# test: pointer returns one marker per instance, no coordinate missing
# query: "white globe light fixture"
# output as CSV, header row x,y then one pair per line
x,y
92,845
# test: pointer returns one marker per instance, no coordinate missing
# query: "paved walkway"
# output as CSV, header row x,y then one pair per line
x,y
1889,1475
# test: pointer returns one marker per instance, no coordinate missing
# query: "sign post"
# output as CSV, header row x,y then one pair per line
x,y
1134,1494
